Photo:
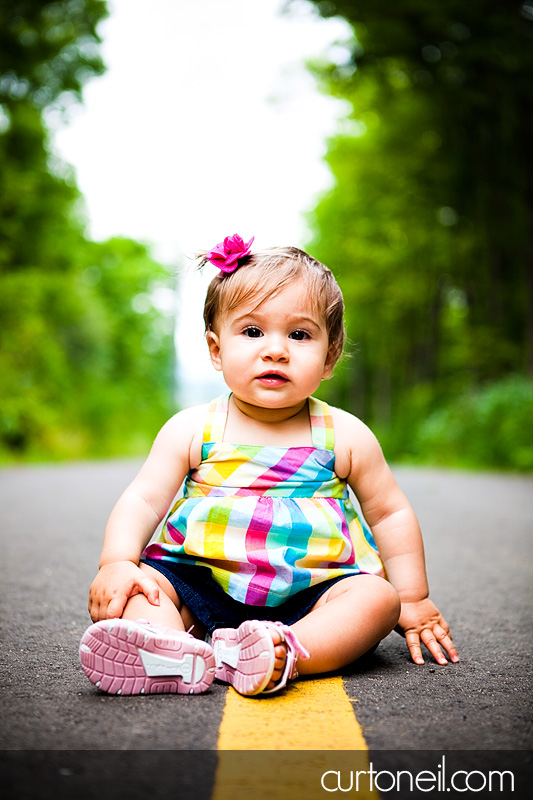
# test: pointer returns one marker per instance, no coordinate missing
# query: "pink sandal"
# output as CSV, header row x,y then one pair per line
x,y
245,656
125,657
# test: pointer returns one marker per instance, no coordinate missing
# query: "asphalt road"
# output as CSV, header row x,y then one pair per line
x,y
477,528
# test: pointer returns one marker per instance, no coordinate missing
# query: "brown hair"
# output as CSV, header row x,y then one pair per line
x,y
260,274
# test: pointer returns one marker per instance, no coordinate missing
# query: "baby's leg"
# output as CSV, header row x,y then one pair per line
x,y
147,651
346,621
171,611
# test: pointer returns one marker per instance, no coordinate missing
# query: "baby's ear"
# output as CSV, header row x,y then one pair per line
x,y
213,343
329,366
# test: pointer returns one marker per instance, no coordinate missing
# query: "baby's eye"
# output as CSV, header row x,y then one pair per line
x,y
299,336
252,332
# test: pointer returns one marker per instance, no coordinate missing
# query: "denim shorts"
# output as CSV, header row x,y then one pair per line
x,y
214,608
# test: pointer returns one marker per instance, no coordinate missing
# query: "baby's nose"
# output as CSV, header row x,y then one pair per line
x,y
275,347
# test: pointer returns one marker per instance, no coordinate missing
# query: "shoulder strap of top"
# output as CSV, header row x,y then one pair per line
x,y
215,420
322,429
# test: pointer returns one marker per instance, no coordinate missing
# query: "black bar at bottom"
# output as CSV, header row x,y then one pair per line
x,y
258,775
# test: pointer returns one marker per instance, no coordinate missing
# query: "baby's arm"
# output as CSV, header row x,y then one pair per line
x,y
398,537
137,514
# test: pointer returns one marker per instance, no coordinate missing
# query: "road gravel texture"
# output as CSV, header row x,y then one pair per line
x,y
477,531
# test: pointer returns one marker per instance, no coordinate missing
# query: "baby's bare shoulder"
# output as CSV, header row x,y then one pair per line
x,y
354,442
186,430
347,424
194,415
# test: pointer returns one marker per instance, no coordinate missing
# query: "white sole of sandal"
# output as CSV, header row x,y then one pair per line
x,y
124,657
244,656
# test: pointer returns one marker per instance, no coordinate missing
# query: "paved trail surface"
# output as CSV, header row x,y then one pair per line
x,y
477,529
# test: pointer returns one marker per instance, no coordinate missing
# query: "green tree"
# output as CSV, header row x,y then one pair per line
x,y
47,53
429,220
85,357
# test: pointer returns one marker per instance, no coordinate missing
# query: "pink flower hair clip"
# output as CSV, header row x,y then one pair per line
x,y
227,254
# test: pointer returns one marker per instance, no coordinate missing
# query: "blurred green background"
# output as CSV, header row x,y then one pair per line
x,y
86,361
427,227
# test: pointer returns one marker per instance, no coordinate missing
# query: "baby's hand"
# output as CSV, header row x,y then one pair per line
x,y
113,587
422,622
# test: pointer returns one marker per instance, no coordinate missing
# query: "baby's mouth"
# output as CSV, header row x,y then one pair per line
x,y
273,378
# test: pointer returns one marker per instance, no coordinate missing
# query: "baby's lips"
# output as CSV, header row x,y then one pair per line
x,y
272,374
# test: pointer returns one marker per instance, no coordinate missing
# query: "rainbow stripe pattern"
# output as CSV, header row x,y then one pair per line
x,y
267,521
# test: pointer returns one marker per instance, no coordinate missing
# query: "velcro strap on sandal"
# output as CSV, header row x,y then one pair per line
x,y
292,640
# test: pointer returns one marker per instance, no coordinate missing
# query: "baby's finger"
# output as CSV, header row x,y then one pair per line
x,y
94,611
115,607
429,639
151,590
413,643
445,640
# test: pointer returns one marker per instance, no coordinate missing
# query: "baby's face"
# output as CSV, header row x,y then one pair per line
x,y
273,355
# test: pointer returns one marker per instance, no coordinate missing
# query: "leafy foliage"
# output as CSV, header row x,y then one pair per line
x,y
85,358
428,223
489,427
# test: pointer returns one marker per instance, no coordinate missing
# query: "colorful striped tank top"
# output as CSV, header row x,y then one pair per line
x,y
267,521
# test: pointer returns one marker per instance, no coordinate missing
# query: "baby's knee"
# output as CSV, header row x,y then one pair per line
x,y
385,602
163,583
391,603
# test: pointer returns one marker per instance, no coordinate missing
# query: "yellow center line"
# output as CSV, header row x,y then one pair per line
x,y
264,743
